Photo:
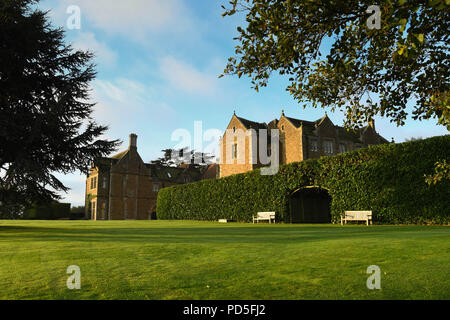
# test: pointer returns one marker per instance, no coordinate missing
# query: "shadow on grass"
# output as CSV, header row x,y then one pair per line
x,y
273,234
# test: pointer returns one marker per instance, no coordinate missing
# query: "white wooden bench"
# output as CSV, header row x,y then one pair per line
x,y
262,216
357,216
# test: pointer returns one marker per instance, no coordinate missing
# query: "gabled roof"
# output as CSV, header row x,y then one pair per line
x,y
349,134
321,120
362,131
104,163
120,155
298,123
309,126
273,124
248,124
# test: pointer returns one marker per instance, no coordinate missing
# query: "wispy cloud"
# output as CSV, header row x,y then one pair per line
x,y
136,19
141,16
185,77
103,54
108,90
123,103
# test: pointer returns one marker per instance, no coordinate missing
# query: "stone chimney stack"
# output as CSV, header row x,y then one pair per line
x,y
133,140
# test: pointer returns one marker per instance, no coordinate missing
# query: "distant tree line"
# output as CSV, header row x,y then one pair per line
x,y
175,157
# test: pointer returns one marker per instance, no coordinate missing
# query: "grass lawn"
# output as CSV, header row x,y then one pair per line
x,y
206,260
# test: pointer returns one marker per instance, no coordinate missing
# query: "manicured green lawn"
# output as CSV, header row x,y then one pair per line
x,y
204,260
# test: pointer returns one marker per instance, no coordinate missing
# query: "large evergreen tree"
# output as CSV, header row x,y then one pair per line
x,y
45,116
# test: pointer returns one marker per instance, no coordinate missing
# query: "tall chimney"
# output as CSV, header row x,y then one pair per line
x,y
133,140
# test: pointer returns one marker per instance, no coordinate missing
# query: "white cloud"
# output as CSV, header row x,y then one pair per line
x,y
185,77
109,90
124,102
137,14
134,19
126,106
103,54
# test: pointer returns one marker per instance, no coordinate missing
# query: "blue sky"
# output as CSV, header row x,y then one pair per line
x,y
158,63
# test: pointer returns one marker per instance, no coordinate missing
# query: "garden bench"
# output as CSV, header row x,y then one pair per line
x,y
357,216
262,216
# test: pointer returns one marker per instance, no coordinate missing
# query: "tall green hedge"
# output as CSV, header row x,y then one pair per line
x,y
51,211
387,179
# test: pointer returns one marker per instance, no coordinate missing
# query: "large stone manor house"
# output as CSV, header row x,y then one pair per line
x,y
298,140
125,187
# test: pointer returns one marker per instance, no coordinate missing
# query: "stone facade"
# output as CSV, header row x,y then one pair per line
x,y
124,187
299,140
235,164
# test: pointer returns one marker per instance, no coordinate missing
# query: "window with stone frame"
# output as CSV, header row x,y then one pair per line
x,y
94,182
234,151
93,208
313,145
342,148
328,146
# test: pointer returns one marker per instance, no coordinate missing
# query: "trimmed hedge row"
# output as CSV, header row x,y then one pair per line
x,y
387,179
52,211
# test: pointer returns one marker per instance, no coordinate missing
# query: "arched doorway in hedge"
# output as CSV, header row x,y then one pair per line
x,y
310,205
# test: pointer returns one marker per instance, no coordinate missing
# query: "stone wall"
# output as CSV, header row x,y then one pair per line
x,y
236,166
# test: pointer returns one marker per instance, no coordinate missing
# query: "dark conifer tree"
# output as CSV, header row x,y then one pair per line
x,y
45,116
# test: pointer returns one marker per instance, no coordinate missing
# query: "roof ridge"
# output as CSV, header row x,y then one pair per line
x,y
120,155
247,123
241,118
